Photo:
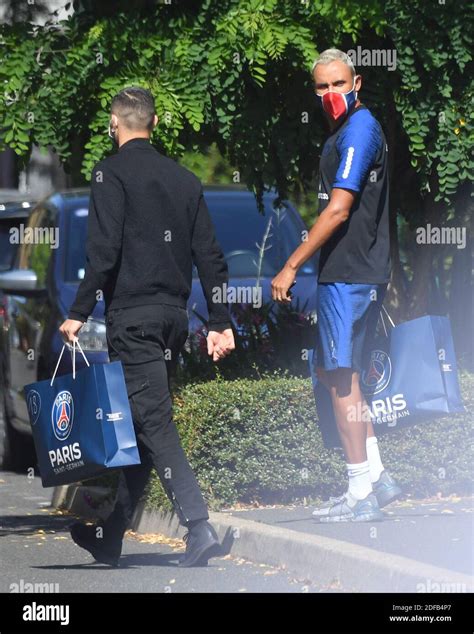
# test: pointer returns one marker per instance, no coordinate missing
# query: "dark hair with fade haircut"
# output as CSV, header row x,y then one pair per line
x,y
136,108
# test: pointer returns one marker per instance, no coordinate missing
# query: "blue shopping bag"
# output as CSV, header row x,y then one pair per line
x,y
410,376
81,422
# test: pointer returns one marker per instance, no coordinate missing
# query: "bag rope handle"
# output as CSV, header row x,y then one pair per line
x,y
73,359
383,320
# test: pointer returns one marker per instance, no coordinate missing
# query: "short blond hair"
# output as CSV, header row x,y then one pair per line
x,y
332,55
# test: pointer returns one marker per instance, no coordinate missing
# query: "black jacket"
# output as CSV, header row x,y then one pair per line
x,y
147,223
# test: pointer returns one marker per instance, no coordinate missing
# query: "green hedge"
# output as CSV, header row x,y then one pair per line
x,y
258,441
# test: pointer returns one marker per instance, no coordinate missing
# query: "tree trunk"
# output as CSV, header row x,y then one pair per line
x,y
397,293
421,290
461,302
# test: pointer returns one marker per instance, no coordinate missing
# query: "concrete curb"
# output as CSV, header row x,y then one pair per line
x,y
325,561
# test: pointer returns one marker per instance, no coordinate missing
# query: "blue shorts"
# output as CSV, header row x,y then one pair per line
x,y
347,316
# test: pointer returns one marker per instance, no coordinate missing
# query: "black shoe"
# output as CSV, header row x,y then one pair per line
x,y
85,537
202,543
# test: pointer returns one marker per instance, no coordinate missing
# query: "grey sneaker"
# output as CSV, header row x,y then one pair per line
x,y
324,507
348,509
386,490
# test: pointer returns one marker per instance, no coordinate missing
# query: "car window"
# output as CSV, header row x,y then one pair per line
x,y
253,243
8,247
76,242
40,239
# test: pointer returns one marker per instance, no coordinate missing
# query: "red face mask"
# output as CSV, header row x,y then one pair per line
x,y
337,104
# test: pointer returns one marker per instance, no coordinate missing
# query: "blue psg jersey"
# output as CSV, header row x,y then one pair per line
x,y
354,157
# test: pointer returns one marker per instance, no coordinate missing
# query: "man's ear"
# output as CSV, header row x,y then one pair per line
x,y
358,83
155,121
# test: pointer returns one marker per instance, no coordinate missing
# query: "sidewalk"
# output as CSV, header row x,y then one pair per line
x,y
422,546
439,533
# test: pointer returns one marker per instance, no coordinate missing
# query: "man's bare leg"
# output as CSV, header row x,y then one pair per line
x,y
373,453
358,503
351,418
352,414
370,427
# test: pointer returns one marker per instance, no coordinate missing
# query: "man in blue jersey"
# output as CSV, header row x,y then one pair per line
x,y
352,231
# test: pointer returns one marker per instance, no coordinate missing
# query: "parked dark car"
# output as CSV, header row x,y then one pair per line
x,y
46,276
15,208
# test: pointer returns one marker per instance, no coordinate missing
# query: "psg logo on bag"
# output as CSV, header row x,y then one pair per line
x,y
62,415
33,404
377,376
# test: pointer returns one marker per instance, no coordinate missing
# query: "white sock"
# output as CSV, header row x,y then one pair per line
x,y
373,456
359,480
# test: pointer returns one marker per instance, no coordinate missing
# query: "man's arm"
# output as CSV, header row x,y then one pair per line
x,y
211,266
104,239
335,214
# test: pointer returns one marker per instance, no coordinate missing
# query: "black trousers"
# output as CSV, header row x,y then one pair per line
x,y
147,340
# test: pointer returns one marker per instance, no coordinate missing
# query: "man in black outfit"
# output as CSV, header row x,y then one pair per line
x,y
148,221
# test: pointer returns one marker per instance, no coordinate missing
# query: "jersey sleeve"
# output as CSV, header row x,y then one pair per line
x,y
357,147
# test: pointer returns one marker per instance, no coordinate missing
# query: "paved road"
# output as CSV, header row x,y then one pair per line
x,y
438,532
35,547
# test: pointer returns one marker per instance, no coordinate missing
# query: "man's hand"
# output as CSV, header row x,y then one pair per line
x,y
220,344
69,330
281,283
